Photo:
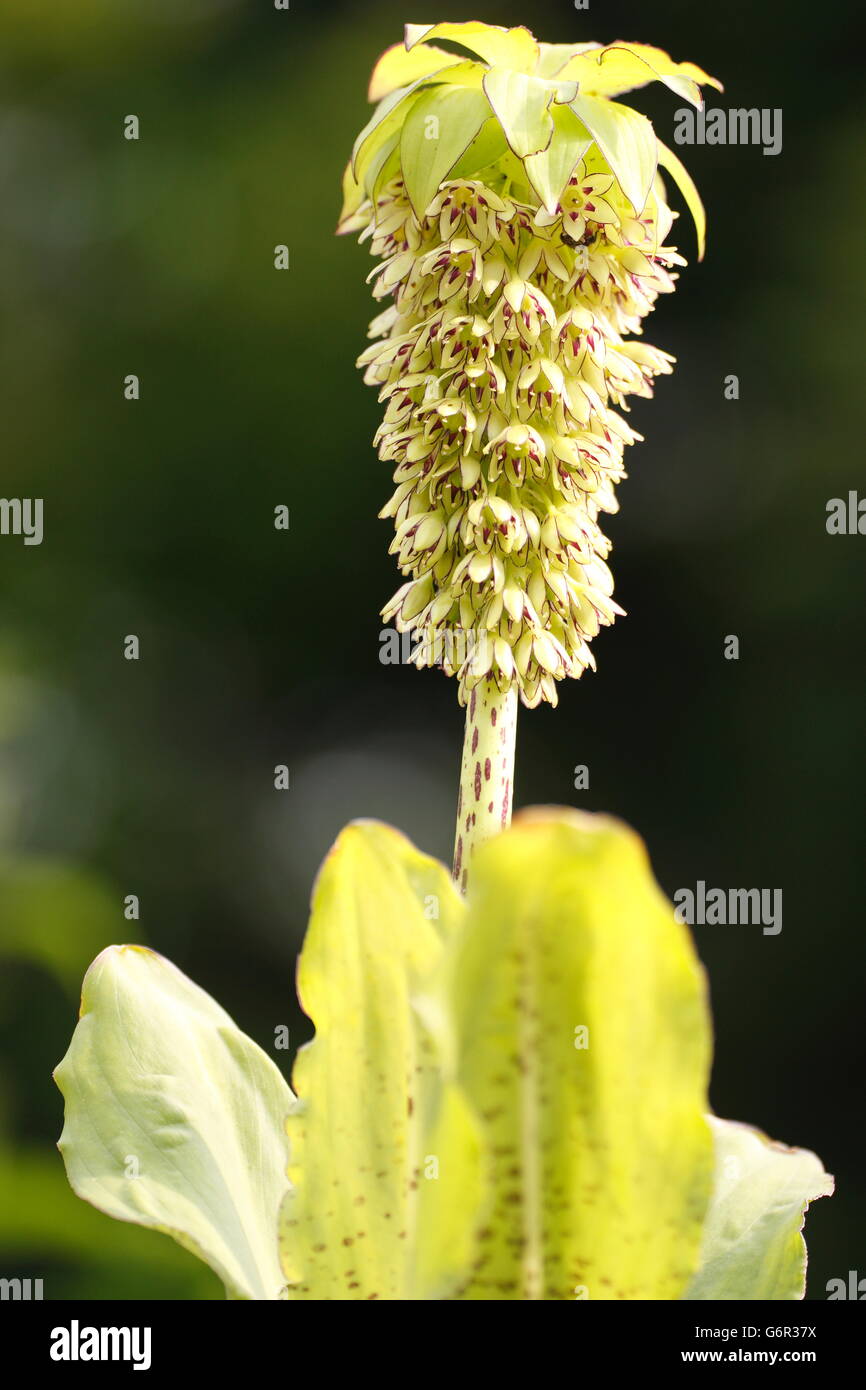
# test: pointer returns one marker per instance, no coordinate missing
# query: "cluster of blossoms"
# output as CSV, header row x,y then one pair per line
x,y
507,350
504,353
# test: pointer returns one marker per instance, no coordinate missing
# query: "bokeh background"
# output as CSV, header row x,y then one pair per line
x,y
261,647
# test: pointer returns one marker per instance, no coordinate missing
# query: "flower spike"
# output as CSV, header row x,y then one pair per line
x,y
520,226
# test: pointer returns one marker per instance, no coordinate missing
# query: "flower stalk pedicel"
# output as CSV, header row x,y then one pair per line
x,y
521,229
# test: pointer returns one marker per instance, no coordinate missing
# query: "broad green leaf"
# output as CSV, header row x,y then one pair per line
x,y
397,67
521,105
752,1248
600,1155
175,1119
385,1151
627,141
510,48
683,179
550,171
620,67
438,130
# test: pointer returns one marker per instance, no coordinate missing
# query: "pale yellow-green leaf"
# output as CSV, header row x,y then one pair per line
x,y
627,141
511,48
487,147
175,1119
384,167
554,56
389,116
384,1149
374,168
752,1248
376,141
521,104
550,171
398,67
438,130
353,197
600,1155
685,183
448,1226
620,67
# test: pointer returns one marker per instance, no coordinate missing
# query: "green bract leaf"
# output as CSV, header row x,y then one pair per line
x,y
510,48
388,117
353,197
620,67
752,1248
374,168
550,171
489,145
683,179
583,1043
385,1160
385,166
554,56
397,67
627,141
438,130
521,104
174,1118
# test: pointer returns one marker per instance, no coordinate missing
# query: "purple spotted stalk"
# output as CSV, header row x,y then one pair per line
x,y
486,772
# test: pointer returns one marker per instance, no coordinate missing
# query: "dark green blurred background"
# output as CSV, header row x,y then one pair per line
x,y
261,647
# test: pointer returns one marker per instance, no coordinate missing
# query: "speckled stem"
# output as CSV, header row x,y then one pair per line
x,y
487,772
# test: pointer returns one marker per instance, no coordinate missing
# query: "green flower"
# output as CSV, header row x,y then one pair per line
x,y
521,230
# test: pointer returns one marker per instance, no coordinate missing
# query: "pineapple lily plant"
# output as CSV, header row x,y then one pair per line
x,y
506,1094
